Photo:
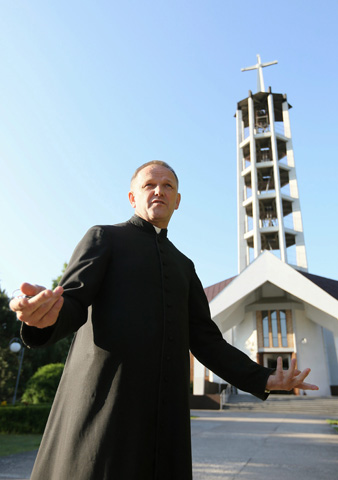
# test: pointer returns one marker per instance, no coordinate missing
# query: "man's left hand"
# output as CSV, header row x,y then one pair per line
x,y
289,379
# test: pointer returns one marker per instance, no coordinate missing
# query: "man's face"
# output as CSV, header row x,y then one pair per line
x,y
154,195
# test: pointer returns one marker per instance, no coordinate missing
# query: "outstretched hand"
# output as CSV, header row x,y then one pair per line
x,y
289,379
37,306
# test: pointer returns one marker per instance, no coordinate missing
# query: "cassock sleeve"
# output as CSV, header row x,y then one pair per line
x,y
81,282
210,348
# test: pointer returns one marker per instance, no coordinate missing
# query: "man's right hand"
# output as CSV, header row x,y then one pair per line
x,y
42,309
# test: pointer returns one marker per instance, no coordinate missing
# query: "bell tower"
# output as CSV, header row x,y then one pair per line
x,y
269,214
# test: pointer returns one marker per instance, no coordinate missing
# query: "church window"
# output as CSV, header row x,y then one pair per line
x,y
282,318
274,329
265,316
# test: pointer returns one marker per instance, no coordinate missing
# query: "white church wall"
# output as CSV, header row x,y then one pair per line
x,y
228,335
245,338
336,343
331,355
246,335
311,352
269,290
199,375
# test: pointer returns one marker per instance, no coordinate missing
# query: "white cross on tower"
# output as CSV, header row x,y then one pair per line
x,y
259,67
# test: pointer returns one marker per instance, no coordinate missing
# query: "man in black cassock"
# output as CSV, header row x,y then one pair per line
x,y
121,411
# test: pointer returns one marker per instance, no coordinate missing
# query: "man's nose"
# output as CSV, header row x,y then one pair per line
x,y
158,190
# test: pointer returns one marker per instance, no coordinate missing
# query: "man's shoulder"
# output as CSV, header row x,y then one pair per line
x,y
105,232
180,254
111,228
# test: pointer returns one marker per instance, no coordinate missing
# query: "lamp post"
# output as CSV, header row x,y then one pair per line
x,y
16,346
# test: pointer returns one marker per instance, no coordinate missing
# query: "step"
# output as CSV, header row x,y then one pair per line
x,y
324,406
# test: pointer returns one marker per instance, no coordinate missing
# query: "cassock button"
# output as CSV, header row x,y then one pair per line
x,y
171,338
168,358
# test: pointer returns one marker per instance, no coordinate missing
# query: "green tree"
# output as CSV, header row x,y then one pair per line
x,y
56,353
57,280
9,361
33,358
42,386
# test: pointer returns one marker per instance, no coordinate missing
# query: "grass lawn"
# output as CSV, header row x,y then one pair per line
x,y
12,443
334,423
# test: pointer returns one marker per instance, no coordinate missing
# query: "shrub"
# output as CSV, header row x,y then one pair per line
x,y
24,419
41,387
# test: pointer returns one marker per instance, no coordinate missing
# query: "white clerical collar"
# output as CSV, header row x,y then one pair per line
x,y
158,229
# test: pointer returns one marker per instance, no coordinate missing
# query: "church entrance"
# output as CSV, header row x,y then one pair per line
x,y
275,339
270,361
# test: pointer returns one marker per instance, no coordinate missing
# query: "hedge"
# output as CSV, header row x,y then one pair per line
x,y
24,419
41,387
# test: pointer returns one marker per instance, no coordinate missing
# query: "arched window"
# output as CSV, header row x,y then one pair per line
x,y
274,329
283,328
265,320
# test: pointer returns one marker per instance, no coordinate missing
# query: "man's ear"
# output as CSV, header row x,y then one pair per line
x,y
178,201
131,197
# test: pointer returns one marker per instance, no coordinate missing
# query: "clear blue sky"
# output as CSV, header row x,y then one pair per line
x,y
89,90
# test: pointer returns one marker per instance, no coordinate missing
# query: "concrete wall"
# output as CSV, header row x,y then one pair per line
x,y
245,337
199,378
311,352
331,356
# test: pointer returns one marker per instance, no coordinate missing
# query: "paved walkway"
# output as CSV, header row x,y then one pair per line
x,y
245,445
17,467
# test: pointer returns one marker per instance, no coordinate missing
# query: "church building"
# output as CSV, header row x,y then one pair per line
x,y
274,306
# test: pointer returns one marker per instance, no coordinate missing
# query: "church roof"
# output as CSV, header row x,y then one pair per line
x,y
214,290
318,295
329,285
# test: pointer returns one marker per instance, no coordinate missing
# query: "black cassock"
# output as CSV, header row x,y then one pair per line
x,y
121,411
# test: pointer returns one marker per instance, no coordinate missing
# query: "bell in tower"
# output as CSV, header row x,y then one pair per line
x,y
269,215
